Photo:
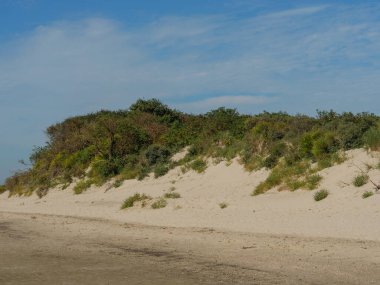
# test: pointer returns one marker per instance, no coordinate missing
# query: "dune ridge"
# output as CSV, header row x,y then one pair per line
x,y
343,214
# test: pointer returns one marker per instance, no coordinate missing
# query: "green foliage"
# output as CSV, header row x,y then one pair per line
x,y
82,185
349,128
160,203
155,107
143,172
360,180
286,175
129,173
172,195
157,154
295,184
160,170
320,195
324,145
132,143
372,138
117,183
103,169
312,181
367,194
21,183
276,152
2,189
199,165
130,201
274,179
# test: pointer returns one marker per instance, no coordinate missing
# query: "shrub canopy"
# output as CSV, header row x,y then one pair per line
x,y
133,142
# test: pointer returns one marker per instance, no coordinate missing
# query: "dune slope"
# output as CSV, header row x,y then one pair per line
x,y
343,214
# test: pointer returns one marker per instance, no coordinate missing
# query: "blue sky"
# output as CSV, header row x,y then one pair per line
x,y
63,58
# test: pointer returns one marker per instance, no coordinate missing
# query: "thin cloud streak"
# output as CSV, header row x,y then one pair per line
x,y
298,12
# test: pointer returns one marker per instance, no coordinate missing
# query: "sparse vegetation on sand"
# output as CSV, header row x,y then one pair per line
x,y
360,180
172,195
320,195
223,205
160,203
130,201
82,185
290,177
132,143
117,183
367,194
199,165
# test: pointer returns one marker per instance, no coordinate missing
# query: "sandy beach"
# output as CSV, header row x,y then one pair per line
x,y
275,238
44,249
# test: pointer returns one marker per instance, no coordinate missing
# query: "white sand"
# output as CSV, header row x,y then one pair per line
x,y
343,214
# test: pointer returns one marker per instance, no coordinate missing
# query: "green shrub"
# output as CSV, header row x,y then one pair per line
x,y
105,168
325,162
367,194
156,108
2,189
306,144
360,180
226,152
223,205
130,201
161,203
251,163
143,172
117,183
199,165
82,185
130,172
160,170
372,138
172,195
131,143
312,181
320,195
194,150
284,173
276,152
295,184
157,154
274,179
324,145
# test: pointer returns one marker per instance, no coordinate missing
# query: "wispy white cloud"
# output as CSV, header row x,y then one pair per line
x,y
298,11
95,63
306,58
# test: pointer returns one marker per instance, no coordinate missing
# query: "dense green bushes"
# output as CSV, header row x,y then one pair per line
x,y
132,143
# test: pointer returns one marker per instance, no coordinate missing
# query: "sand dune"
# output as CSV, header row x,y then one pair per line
x,y
275,238
343,214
